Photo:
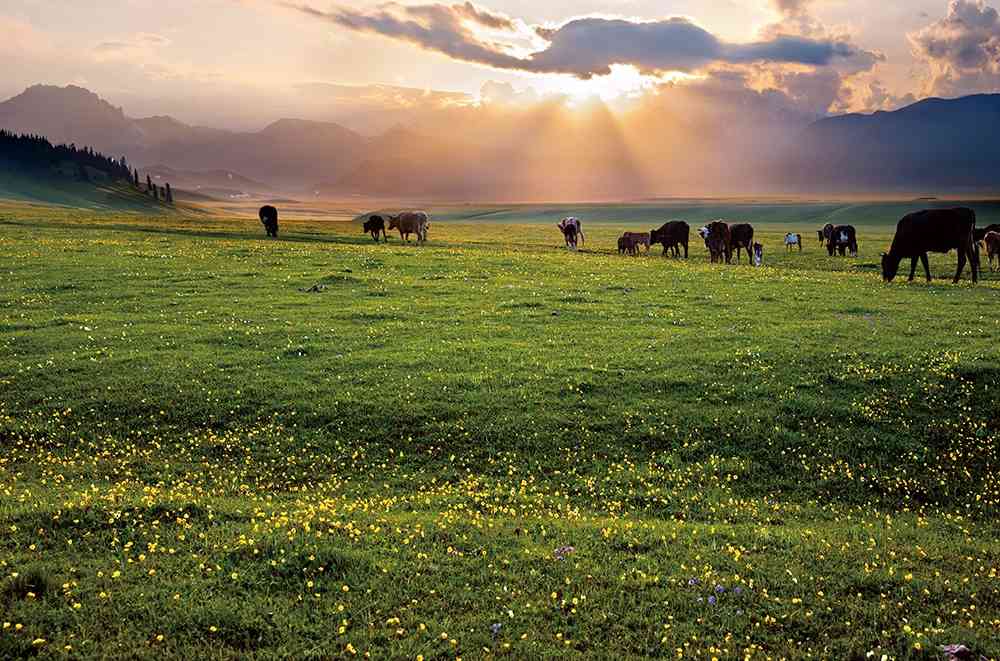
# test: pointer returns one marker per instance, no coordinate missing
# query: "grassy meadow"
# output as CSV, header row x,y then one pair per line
x,y
219,446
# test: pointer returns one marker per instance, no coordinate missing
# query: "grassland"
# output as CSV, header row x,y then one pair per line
x,y
213,445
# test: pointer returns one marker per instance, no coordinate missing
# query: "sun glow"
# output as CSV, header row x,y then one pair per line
x,y
625,83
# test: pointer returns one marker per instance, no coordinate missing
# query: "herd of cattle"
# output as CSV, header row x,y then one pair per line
x,y
917,234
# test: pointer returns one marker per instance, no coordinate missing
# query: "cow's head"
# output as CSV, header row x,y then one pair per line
x,y
890,267
704,232
393,221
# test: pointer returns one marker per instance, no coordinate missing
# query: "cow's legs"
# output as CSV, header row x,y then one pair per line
x,y
927,266
974,259
913,268
961,264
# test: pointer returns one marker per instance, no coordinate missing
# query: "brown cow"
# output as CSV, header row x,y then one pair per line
x,y
640,239
672,235
992,241
740,237
626,245
410,222
718,241
935,230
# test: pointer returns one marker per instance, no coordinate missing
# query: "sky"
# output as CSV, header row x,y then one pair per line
x,y
243,63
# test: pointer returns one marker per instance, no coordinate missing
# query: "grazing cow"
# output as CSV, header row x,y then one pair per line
x,y
626,245
992,241
843,238
572,230
411,222
672,235
375,225
640,239
718,241
935,230
792,240
269,219
757,256
740,237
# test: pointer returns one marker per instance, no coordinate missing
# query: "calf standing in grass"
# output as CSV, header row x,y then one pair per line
x,y
672,235
718,241
935,230
992,241
792,240
639,239
375,225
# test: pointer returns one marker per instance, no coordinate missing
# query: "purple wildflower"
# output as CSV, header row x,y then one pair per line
x,y
719,589
711,600
563,551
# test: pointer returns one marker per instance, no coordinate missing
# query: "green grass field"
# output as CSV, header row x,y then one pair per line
x,y
218,446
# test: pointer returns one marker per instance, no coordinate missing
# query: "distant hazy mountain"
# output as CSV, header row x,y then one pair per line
x,y
289,152
934,146
209,182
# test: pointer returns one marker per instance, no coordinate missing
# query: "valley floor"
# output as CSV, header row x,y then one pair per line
x,y
214,445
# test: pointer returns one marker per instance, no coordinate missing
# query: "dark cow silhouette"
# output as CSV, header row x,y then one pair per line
x,y
269,219
673,235
934,230
825,233
719,242
376,225
843,238
992,241
740,237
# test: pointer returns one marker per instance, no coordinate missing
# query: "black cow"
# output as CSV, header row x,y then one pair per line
x,y
825,233
269,218
842,238
673,235
934,230
740,236
375,225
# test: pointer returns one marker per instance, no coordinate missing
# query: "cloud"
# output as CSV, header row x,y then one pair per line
x,y
583,47
141,43
961,50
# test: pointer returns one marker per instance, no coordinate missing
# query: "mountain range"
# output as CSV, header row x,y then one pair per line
x,y
935,146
